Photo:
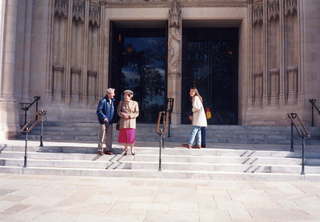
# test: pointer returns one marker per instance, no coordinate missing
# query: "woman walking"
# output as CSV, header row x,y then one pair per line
x,y
198,120
128,111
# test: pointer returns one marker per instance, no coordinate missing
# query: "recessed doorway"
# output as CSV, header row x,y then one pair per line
x,y
139,62
210,63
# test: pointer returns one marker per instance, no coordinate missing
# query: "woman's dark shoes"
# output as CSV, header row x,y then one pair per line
x,y
125,152
133,153
188,146
107,152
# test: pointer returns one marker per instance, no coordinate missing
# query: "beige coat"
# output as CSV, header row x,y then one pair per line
x,y
131,107
198,113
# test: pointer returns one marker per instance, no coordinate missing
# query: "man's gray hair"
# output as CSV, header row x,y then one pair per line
x,y
110,90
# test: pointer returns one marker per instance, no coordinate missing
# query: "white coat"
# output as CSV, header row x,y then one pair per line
x,y
198,113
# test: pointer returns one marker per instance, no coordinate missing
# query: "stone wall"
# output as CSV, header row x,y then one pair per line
x,y
311,53
8,42
276,77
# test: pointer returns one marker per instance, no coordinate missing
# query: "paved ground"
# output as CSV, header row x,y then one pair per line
x,y
53,198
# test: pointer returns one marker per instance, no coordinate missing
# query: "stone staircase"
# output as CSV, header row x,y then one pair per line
x,y
87,132
218,161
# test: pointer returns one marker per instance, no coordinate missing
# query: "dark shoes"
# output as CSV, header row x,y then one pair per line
x,y
126,153
107,152
188,146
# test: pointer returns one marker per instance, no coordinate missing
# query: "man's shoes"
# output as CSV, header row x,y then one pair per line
x,y
196,147
107,152
188,146
100,152
203,146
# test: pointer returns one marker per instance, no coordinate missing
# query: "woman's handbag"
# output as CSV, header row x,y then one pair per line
x,y
208,113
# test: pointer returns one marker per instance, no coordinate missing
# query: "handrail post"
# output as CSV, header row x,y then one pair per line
x,y
162,131
160,150
170,104
25,116
312,115
169,126
41,132
291,147
37,102
302,155
26,148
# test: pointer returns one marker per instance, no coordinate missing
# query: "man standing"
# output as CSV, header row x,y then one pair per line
x,y
106,116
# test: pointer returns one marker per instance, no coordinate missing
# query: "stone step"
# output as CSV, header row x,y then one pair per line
x,y
183,139
140,157
139,165
165,157
88,132
168,174
210,151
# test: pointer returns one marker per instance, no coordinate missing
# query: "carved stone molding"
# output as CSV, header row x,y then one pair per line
x,y
257,14
75,70
292,84
61,8
275,71
292,79
174,40
274,81
94,15
175,15
290,7
257,88
273,10
92,73
78,11
57,68
164,3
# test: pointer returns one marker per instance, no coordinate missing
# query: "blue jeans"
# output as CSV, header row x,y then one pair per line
x,y
195,136
203,136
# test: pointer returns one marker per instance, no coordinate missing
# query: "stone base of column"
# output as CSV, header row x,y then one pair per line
x,y
175,119
9,119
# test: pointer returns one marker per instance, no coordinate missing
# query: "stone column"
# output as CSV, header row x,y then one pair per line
x,y
265,53
8,109
174,59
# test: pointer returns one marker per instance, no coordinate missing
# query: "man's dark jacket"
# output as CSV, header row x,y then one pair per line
x,y
106,109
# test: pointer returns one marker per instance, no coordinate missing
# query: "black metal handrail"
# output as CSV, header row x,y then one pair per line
x,y
169,108
313,107
297,123
161,130
26,106
39,117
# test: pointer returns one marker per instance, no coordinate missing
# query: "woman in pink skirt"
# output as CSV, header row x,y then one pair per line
x,y
128,110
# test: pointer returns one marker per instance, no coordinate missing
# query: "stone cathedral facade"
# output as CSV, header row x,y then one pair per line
x,y
65,51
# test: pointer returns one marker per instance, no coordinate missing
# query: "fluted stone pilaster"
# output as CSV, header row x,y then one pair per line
x,y
8,110
174,59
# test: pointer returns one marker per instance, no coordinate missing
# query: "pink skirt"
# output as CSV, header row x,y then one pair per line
x,y
127,136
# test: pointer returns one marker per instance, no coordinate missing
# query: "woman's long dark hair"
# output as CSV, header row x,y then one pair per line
x,y
197,93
